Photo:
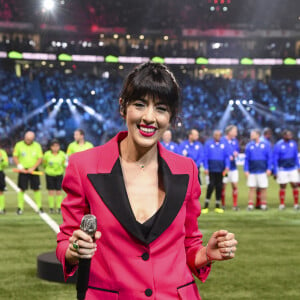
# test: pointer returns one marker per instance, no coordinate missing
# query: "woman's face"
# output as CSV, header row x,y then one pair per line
x,y
147,120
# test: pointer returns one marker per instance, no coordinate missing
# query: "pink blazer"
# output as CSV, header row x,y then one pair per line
x,y
127,265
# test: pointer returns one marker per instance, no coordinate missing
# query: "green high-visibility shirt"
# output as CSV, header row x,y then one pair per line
x,y
3,159
28,155
54,164
75,147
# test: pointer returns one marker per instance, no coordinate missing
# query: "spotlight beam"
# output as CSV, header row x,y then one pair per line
x,y
248,117
91,111
74,112
31,115
225,117
262,109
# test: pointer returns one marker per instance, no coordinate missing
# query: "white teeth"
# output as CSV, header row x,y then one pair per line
x,y
147,130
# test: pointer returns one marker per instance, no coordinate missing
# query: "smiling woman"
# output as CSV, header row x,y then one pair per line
x,y
146,201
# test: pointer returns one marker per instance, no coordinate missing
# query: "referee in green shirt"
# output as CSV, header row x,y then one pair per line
x,y
79,144
54,163
3,164
27,156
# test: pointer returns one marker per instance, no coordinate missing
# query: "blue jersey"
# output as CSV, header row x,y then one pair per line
x,y
172,146
258,157
193,150
263,139
232,146
285,156
216,157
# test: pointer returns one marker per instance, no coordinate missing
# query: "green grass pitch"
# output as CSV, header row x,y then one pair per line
x,y
267,263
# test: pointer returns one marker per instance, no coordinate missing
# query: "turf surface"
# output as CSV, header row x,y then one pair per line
x,y
266,266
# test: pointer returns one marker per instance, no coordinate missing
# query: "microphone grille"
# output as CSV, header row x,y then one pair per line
x,y
89,224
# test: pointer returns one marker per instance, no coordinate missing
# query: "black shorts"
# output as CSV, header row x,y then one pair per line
x,y
25,179
2,181
54,182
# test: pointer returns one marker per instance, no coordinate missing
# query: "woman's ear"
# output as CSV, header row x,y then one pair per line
x,y
121,107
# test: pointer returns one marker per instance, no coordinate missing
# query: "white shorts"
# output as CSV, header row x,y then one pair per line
x,y
284,177
232,176
258,180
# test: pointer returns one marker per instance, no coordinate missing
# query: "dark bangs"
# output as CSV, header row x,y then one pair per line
x,y
154,81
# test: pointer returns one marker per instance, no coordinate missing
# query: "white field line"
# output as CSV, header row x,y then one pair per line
x,y
53,225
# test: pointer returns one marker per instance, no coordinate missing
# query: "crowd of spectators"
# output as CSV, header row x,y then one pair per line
x,y
88,19
276,104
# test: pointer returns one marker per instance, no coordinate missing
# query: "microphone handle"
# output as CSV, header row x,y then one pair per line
x,y
83,278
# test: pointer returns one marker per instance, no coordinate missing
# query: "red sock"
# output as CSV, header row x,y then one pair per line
x,y
263,203
258,200
235,196
296,195
281,196
223,196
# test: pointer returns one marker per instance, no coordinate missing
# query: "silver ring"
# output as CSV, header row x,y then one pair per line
x,y
229,254
75,245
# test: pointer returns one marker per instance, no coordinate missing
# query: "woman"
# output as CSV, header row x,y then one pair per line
x,y
54,164
146,201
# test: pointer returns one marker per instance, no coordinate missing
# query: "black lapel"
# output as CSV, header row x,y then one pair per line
x,y
176,187
111,189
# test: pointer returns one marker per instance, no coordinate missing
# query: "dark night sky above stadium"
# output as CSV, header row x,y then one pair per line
x,y
167,14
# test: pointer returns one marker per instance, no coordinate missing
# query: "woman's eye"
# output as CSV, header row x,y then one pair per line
x,y
139,104
162,108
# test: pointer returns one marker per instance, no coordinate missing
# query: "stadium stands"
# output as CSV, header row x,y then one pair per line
x,y
276,104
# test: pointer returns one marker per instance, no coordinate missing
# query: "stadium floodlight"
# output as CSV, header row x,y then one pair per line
x,y
53,100
231,102
61,100
244,101
48,4
251,102
237,102
75,101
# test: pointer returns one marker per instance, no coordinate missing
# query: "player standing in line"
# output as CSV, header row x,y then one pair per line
x,y
257,167
27,156
193,148
286,165
216,164
54,164
168,143
266,137
79,144
232,176
3,164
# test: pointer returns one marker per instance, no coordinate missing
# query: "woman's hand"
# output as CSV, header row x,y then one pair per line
x,y
81,245
221,246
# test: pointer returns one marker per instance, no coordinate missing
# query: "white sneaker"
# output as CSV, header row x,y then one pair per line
x,y
281,207
263,207
296,207
250,207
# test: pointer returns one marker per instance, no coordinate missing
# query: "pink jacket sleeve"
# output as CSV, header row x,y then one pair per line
x,y
193,240
73,208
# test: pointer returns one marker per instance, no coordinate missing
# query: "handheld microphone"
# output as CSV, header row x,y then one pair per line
x,y
89,226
